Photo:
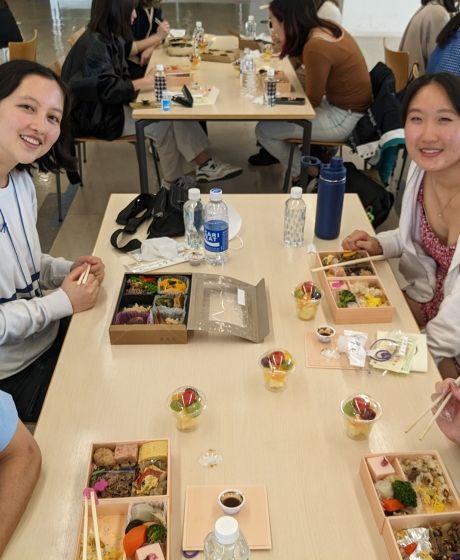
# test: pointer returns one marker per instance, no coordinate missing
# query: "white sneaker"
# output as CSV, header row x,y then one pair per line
x,y
215,170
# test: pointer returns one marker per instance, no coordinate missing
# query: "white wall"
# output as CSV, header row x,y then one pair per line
x,y
378,17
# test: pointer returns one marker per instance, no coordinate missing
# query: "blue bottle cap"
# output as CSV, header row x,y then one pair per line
x,y
165,104
334,171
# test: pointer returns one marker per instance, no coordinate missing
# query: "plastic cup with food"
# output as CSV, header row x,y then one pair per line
x,y
307,299
276,365
360,412
187,403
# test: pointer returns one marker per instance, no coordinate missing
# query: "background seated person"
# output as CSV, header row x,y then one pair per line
x,y
97,73
427,240
37,292
20,463
337,82
446,55
419,38
9,30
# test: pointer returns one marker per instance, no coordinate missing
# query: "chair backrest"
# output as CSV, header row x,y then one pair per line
x,y
56,66
25,50
398,63
75,36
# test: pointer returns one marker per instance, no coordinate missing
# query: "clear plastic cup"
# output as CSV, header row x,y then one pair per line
x,y
187,404
360,412
307,299
276,365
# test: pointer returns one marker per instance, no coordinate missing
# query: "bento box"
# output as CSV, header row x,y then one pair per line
x,y
354,292
132,483
283,85
163,308
178,75
219,55
407,485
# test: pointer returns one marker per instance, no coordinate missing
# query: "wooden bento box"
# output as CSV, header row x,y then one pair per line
x,y
435,492
371,303
163,308
178,75
132,482
283,85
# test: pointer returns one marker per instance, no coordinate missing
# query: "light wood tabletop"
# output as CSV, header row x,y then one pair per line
x,y
291,442
229,106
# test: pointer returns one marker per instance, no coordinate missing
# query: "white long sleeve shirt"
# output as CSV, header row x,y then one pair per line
x,y
31,302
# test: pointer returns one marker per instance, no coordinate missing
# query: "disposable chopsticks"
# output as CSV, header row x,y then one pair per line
x,y
350,262
84,276
445,399
89,494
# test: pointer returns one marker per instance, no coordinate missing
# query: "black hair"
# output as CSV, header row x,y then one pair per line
x,y
60,154
450,83
448,31
112,17
448,4
299,17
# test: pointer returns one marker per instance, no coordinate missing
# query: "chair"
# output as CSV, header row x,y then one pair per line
x,y
75,36
398,63
25,50
294,142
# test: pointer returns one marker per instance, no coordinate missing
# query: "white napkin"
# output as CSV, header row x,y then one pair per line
x,y
163,247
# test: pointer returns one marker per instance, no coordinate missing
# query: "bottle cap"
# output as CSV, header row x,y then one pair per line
x,y
198,24
194,194
215,195
296,192
247,50
270,72
226,530
334,171
160,68
250,18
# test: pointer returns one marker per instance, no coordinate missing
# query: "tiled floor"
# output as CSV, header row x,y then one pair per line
x,y
112,167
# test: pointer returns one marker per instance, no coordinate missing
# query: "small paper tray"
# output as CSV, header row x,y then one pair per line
x,y
202,510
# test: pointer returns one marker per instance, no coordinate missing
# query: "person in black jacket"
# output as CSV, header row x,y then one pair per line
x,y
9,30
149,31
97,73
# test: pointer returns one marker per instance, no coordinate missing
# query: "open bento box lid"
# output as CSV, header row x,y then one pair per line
x,y
221,304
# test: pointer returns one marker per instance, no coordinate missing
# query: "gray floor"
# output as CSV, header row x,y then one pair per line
x,y
112,167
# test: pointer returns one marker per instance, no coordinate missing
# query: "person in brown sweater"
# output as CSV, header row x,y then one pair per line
x,y
337,81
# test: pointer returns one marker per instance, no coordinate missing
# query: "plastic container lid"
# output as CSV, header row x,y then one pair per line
x,y
194,194
160,68
296,192
215,195
334,171
226,530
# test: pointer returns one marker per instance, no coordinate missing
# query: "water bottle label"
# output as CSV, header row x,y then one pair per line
x,y
216,236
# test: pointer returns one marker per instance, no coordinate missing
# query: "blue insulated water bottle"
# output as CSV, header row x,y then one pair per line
x,y
329,204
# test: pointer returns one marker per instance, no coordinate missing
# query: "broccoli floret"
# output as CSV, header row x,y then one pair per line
x,y
404,492
156,533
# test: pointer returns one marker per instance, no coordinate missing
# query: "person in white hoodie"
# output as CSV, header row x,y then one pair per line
x,y
427,239
37,291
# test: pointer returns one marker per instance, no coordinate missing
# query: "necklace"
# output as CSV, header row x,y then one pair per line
x,y
440,214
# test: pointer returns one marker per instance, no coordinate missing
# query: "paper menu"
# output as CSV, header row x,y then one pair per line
x,y
419,360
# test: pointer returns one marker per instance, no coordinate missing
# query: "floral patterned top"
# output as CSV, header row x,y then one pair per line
x,y
440,253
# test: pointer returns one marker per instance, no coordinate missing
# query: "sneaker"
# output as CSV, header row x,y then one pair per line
x,y
215,170
262,158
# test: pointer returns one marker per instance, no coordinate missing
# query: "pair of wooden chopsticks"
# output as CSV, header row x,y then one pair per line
x,y
84,276
89,495
350,262
445,399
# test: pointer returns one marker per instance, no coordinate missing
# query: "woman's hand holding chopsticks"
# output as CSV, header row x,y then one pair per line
x,y
361,241
449,420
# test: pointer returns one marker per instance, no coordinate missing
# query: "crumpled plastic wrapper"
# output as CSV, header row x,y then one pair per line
x,y
210,458
353,344
419,535
159,247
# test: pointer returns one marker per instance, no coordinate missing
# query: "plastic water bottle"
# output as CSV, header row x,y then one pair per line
x,y
216,228
243,62
294,218
270,88
198,36
249,77
226,542
159,82
331,188
193,220
250,27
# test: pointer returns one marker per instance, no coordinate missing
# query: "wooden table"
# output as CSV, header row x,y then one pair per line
x,y
293,442
230,105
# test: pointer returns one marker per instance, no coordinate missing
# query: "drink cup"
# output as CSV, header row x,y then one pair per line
x,y
187,405
307,299
276,365
360,412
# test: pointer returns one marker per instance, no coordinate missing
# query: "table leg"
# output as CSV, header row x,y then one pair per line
x,y
141,155
305,152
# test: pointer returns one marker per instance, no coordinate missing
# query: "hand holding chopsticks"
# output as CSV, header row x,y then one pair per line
x,y
89,495
442,401
84,276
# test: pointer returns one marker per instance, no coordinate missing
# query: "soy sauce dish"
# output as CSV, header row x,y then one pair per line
x,y
231,501
325,333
